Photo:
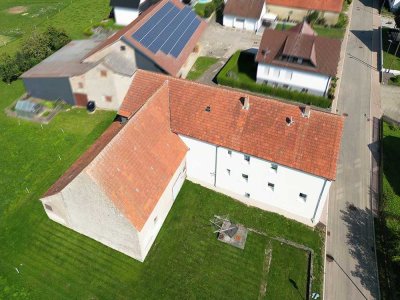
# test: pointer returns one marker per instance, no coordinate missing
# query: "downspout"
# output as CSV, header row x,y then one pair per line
x,y
319,200
327,85
215,171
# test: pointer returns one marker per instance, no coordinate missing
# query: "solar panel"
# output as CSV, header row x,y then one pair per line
x,y
168,31
146,27
157,30
185,38
167,47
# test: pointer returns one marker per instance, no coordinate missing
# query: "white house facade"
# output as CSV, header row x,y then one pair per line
x,y
297,59
246,15
256,182
123,15
307,82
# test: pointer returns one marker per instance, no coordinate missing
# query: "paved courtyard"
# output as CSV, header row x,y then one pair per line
x,y
220,41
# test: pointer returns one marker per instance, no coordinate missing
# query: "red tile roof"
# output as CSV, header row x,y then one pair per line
x,y
244,8
324,53
322,5
135,168
133,164
168,63
310,144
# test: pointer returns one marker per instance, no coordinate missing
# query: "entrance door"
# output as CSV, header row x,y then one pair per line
x,y
81,99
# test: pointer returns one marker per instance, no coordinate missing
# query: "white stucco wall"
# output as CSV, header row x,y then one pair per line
x,y
249,24
317,84
205,160
84,208
124,16
150,230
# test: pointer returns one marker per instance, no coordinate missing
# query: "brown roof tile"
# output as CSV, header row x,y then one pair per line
x,y
323,52
244,8
322,5
310,144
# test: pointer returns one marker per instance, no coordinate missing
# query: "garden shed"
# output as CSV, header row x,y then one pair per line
x,y
27,109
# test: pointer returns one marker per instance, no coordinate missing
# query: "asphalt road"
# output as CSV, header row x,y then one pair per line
x,y
352,274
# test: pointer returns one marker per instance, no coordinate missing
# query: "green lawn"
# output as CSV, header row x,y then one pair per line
x,y
202,64
186,260
330,32
388,229
241,71
389,59
72,15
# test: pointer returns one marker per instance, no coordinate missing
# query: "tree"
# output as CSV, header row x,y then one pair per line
x,y
8,68
56,38
312,17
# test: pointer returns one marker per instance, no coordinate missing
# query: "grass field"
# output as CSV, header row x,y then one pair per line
x,y
388,229
202,64
72,15
186,260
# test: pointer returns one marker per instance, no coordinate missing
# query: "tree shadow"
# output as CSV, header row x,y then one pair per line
x,y
361,246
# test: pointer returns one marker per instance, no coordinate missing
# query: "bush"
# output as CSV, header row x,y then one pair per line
x,y
395,80
34,49
312,17
225,77
205,10
342,21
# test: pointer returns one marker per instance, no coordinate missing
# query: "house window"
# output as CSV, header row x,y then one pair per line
x,y
245,177
108,98
229,152
228,171
247,195
304,90
274,167
271,186
48,207
80,85
155,220
247,158
122,48
285,86
103,73
303,197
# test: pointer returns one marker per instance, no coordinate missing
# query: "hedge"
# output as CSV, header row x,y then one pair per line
x,y
224,79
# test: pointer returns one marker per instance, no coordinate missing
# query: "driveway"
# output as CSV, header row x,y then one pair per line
x,y
391,101
222,42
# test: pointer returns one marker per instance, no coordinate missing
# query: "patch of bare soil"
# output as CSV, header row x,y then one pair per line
x,y
16,10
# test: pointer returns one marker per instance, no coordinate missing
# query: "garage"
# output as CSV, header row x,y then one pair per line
x,y
244,14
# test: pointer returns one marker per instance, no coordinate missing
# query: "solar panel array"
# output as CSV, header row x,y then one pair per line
x,y
168,30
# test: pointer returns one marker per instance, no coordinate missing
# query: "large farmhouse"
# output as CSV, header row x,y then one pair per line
x,y
298,59
162,39
265,153
297,10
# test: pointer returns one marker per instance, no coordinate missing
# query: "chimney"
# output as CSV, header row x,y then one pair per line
x,y
245,102
306,111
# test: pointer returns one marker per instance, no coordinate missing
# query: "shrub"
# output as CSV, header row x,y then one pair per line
x,y
312,17
34,49
205,10
342,21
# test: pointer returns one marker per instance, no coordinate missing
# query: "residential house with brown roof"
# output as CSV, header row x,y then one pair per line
x,y
265,153
162,39
244,14
298,10
298,59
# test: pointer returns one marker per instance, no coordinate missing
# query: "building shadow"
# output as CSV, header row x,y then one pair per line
x,y
365,37
361,246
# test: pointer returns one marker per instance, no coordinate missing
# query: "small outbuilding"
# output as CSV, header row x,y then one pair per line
x,y
244,14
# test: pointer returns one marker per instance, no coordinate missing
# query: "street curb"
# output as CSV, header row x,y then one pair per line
x,y
342,58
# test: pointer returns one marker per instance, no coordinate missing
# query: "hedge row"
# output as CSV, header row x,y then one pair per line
x,y
224,79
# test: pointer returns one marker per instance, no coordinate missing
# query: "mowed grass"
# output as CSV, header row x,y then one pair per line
x,y
73,15
388,229
390,60
330,32
40,259
202,64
